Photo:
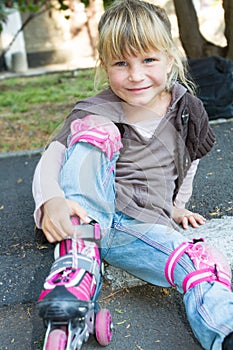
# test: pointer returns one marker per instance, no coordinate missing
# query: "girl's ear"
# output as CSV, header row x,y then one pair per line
x,y
103,66
170,62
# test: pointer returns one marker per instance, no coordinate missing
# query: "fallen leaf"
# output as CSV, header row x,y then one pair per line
x,y
29,312
122,322
40,247
139,347
119,311
165,291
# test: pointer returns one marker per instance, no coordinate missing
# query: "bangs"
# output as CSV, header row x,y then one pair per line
x,y
126,34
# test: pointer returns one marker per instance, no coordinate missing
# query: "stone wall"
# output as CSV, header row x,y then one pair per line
x,y
52,39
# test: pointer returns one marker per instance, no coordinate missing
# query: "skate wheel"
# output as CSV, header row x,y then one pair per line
x,y
56,340
103,327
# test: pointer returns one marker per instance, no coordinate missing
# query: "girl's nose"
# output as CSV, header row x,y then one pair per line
x,y
135,75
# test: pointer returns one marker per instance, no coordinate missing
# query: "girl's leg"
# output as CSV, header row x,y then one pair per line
x,y
87,177
88,174
143,250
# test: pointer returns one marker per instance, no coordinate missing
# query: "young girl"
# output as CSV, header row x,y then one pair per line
x,y
125,161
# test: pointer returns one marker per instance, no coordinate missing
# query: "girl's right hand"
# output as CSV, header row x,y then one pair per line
x,y
56,222
184,217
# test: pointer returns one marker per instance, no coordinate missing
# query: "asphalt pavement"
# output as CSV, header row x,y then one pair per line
x,y
145,317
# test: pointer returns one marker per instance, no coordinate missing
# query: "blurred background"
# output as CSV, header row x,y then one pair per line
x,y
38,33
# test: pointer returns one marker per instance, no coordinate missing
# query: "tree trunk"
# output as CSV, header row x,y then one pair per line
x,y
194,44
228,15
94,12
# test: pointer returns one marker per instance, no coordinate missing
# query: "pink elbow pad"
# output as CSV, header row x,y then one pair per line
x,y
98,131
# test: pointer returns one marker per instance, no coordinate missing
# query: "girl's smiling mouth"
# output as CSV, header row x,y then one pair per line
x,y
140,89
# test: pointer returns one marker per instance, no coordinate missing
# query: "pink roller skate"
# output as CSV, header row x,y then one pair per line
x,y
68,303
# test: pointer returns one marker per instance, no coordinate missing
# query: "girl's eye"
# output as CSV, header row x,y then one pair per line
x,y
149,60
120,63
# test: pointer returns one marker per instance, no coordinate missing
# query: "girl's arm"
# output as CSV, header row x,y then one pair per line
x,y
53,210
186,189
180,214
45,183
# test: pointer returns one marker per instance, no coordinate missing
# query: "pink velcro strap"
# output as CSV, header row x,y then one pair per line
x,y
172,261
206,275
98,131
97,231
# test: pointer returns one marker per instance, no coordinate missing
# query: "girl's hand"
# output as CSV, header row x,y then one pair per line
x,y
56,222
186,217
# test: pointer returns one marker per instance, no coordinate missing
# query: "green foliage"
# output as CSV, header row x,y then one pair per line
x,y
37,6
25,5
63,6
30,6
3,15
106,3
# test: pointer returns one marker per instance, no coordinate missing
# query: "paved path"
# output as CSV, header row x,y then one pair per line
x,y
145,317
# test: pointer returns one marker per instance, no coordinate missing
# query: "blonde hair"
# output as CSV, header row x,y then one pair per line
x,y
131,27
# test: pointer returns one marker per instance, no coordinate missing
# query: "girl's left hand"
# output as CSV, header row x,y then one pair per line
x,y
185,217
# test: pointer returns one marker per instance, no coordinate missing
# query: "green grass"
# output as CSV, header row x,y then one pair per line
x,y
31,108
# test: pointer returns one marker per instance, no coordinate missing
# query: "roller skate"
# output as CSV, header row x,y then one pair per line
x,y
68,302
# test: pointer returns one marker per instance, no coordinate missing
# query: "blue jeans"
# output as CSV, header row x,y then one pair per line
x,y
143,249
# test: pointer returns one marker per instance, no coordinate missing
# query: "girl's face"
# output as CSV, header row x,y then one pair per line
x,y
140,80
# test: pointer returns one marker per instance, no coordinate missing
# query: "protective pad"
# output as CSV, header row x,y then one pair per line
x,y
210,264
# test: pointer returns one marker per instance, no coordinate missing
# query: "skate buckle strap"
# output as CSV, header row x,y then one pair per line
x,y
84,262
87,231
90,231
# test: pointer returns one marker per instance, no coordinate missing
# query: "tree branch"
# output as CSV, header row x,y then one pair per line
x,y
28,19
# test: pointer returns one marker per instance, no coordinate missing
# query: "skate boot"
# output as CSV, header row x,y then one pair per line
x,y
228,342
68,302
